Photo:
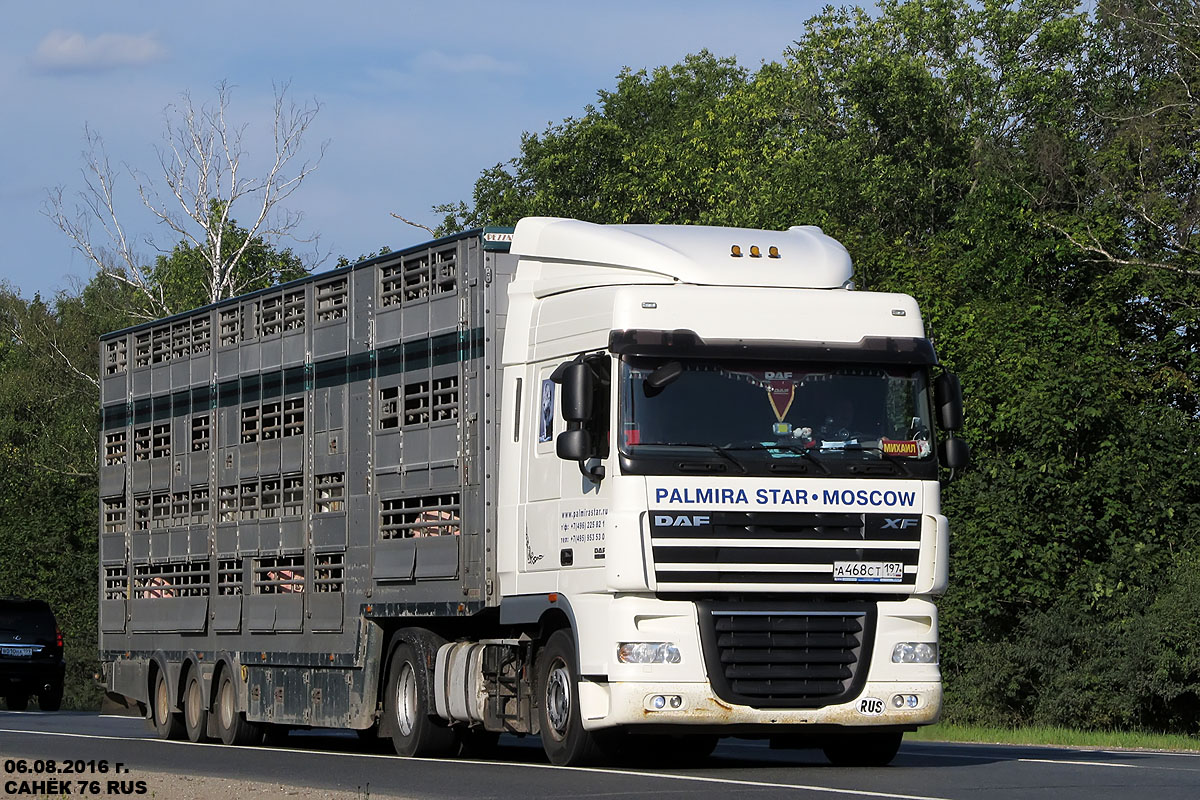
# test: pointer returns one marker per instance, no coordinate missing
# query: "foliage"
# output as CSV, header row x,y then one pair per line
x,y
258,266
1028,171
49,410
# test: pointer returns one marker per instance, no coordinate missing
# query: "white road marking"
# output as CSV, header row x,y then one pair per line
x,y
1076,763
594,770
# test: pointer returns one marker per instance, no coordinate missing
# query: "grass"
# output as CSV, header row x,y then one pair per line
x,y
1063,737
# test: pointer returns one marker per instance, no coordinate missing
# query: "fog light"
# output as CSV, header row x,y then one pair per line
x,y
898,701
648,653
915,653
912,701
659,702
676,701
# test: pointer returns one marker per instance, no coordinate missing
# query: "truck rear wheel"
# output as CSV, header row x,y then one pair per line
x,y
863,749
232,724
17,701
415,731
563,738
167,724
195,715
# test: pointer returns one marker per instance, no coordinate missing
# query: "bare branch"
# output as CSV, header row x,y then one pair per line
x,y
415,224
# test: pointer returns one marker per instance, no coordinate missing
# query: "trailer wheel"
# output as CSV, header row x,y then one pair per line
x,y
563,738
863,749
232,724
415,731
167,724
195,715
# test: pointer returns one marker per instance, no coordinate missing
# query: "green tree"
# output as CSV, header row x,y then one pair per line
x,y
1027,171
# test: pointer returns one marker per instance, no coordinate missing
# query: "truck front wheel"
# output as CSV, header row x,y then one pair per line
x,y
415,731
863,749
563,738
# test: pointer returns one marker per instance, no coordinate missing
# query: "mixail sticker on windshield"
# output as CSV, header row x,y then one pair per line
x,y
915,448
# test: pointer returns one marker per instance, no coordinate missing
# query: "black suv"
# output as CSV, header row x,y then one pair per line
x,y
31,654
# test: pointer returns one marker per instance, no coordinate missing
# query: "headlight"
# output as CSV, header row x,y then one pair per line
x,y
915,653
647,653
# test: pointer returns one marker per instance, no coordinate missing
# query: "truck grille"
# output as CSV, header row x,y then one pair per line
x,y
798,657
767,551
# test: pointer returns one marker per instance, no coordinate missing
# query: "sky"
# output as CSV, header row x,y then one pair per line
x,y
416,99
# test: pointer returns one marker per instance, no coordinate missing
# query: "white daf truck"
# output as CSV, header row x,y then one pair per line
x,y
598,483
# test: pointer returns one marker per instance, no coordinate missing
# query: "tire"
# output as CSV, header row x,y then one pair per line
x,y
17,701
167,724
195,714
232,724
863,749
563,738
51,700
415,731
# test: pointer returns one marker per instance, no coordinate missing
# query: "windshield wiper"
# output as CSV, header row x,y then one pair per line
x,y
712,448
891,459
787,447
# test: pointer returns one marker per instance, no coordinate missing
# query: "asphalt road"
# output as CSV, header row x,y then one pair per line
x,y
922,770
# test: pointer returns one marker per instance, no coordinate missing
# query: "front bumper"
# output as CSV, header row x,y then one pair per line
x,y
632,704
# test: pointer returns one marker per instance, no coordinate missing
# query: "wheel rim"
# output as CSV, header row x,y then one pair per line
x,y
192,706
406,700
558,698
226,705
161,703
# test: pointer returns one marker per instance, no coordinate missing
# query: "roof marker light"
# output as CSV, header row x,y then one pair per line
x,y
773,252
755,252
735,251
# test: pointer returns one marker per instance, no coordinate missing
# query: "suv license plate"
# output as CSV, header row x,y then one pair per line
x,y
868,571
20,652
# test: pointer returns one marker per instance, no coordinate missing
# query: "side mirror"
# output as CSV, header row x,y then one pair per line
x,y
954,453
573,445
577,393
947,395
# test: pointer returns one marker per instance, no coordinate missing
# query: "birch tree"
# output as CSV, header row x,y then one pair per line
x,y
205,178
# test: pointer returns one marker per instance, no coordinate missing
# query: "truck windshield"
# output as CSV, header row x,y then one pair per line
x,y
751,413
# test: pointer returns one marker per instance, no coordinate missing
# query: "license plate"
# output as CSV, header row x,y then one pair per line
x,y
868,571
19,652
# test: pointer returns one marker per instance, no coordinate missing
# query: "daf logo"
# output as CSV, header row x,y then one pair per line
x,y
681,521
899,523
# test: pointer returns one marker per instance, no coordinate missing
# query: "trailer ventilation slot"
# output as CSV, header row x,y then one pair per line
x,y
418,517
173,579
116,582
282,575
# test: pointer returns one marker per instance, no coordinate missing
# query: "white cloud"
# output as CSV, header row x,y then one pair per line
x,y
67,51
436,61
